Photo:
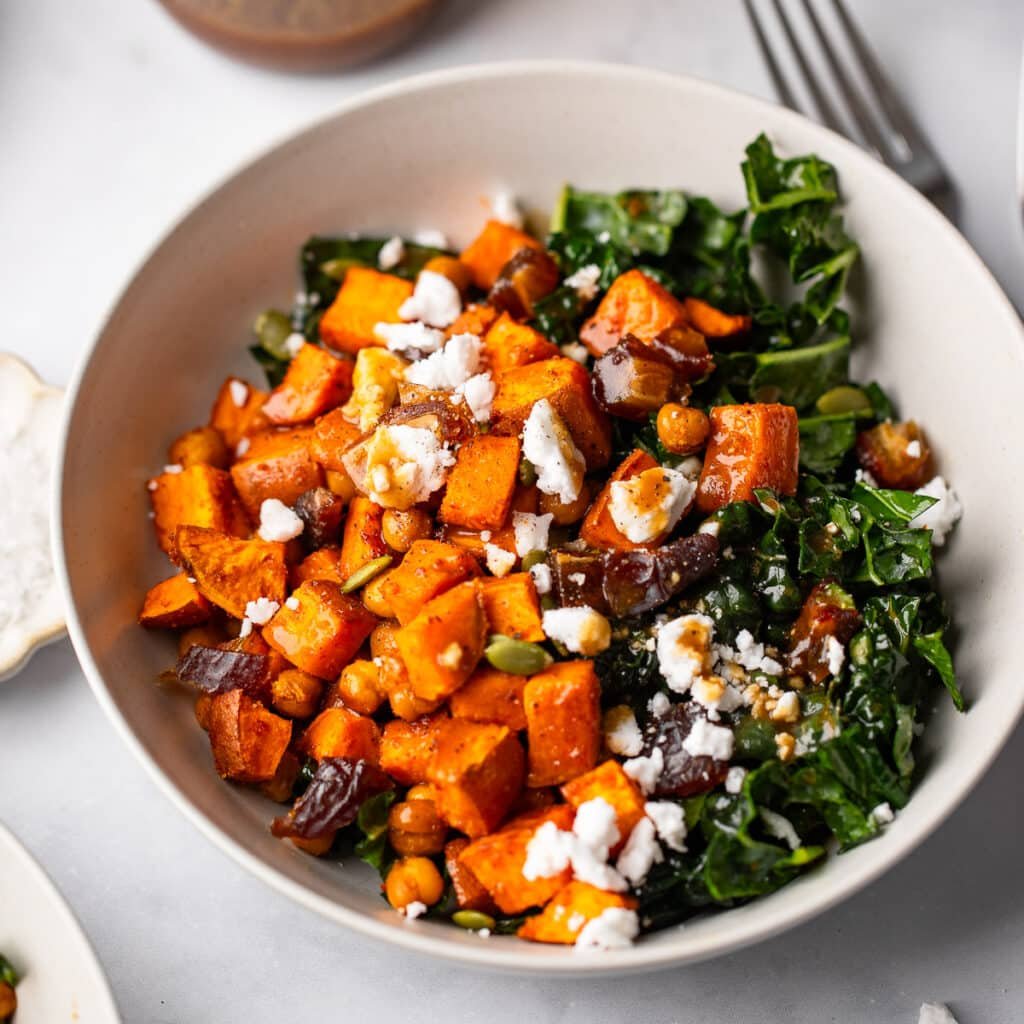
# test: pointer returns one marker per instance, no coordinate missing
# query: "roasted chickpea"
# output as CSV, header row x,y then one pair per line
x,y
203,446
202,708
400,529
414,828
407,706
682,430
454,269
413,880
375,597
566,513
340,483
296,693
314,847
424,791
359,687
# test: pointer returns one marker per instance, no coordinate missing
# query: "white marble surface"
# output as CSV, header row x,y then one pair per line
x,y
113,121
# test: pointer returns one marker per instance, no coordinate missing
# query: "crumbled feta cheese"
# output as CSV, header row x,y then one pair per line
x,y
448,367
242,447
435,300
596,825
292,604
431,238
691,467
547,852
391,253
578,578
787,708
485,536
621,733
779,827
835,654
648,505
294,344
863,476
451,656
716,695
585,281
414,909
541,573
478,393
645,771
278,522
581,630
604,237
670,821
505,208
882,814
683,645
734,780
708,740
414,337
710,527
914,449
174,467
484,933
659,704
750,655
613,928
261,611
640,853
239,391
595,832
531,532
245,629
404,465
944,514
548,444
152,485
499,561
931,1013
575,351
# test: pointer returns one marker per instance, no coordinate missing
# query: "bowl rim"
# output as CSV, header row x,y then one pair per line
x,y
422,937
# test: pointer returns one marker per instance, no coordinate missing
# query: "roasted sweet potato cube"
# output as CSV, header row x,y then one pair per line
x,y
491,696
332,436
571,908
314,383
634,304
609,782
896,455
339,732
429,568
828,616
496,862
469,893
712,322
232,572
511,606
476,318
361,539
278,464
173,604
407,748
563,717
238,411
202,446
599,529
321,564
366,297
247,740
751,446
492,249
197,496
322,634
443,643
566,385
478,772
509,344
481,483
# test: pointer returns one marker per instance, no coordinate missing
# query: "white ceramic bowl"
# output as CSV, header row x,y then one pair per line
x,y
932,325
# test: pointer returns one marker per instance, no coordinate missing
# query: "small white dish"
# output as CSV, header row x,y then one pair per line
x,y
31,609
61,979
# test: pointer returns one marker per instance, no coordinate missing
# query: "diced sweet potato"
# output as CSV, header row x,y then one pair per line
x,y
571,908
332,436
407,748
481,483
634,304
339,732
476,318
512,607
478,772
238,411
443,643
609,782
232,572
278,464
491,696
202,446
324,632
566,385
366,297
361,540
247,740
896,455
173,604
430,567
197,496
563,718
599,529
828,614
714,323
751,446
509,344
469,893
314,383
321,564
492,249
497,860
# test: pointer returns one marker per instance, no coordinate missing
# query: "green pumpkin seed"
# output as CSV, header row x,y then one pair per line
x,y
337,269
532,558
473,920
366,572
527,473
844,398
273,328
517,657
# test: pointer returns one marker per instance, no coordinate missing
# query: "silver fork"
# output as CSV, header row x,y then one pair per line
x,y
880,120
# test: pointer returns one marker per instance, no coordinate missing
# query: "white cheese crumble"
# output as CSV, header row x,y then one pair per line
x,y
531,532
596,825
391,253
261,611
450,366
882,814
645,771
414,337
779,827
294,344
682,646
478,393
505,208
431,238
863,476
640,853
659,704
710,527
541,573
582,629
585,281
931,1013
414,909
715,695
239,393
734,780
708,740
944,514
499,561
404,465
547,852
242,447
670,821
914,449
575,351
613,928
648,505
621,732
435,300
174,467
278,522
787,708
292,604
835,654
548,444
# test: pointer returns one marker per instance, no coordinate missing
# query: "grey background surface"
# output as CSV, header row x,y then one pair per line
x,y
112,121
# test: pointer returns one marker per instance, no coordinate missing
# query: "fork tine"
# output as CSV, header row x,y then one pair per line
x,y
781,85
857,108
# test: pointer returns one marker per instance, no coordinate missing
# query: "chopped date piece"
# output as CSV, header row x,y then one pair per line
x,y
828,616
332,799
528,276
579,579
683,774
452,422
632,380
637,581
321,511
896,455
687,350
214,670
